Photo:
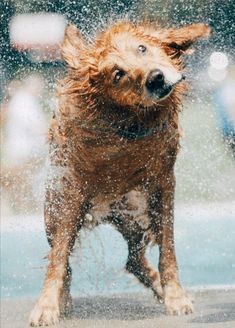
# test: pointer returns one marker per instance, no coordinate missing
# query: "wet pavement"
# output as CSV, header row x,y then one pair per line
x,y
213,308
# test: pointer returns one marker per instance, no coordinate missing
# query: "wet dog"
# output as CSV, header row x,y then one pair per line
x,y
114,140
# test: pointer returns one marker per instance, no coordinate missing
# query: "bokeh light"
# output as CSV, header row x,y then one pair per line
x,y
219,60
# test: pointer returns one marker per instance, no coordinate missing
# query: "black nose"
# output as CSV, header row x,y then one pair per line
x,y
155,80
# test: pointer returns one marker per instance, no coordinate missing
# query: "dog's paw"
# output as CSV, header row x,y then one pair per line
x,y
177,301
44,313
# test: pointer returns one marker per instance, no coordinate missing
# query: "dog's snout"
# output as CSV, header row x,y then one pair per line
x,y
155,80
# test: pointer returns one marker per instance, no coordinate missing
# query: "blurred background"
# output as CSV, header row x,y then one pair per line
x,y
30,66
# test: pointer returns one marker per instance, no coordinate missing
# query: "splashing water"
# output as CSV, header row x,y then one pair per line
x,y
205,168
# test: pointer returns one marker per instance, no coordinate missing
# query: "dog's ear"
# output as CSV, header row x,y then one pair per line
x,y
72,46
180,39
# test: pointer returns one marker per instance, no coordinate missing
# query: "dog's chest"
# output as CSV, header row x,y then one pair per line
x,y
127,164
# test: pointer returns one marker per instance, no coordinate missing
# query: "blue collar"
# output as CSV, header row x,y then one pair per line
x,y
137,131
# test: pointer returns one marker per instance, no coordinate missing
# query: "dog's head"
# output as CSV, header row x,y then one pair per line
x,y
132,65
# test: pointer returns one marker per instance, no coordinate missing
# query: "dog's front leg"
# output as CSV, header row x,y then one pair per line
x,y
162,214
62,213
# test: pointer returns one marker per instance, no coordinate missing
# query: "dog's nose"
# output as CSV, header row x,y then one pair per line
x,y
155,80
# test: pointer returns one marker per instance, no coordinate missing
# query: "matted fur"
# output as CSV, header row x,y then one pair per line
x,y
102,173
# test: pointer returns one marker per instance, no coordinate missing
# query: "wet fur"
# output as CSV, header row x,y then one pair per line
x,y
97,176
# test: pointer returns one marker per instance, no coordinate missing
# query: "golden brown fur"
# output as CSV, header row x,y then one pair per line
x,y
114,139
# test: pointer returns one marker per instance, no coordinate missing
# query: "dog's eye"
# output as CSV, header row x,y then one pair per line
x,y
119,73
142,48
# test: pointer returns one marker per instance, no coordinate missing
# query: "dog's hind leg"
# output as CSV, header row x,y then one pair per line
x,y
133,228
63,215
138,265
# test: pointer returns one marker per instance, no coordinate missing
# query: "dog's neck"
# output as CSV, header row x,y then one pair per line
x,y
136,125
128,123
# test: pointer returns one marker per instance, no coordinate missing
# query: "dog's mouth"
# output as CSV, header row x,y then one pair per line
x,y
162,93
158,87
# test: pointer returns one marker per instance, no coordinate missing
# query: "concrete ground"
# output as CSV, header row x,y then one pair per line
x,y
213,308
